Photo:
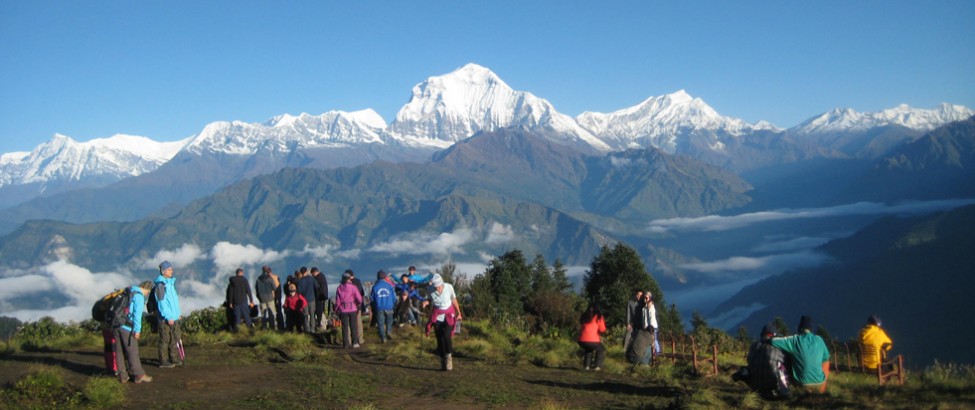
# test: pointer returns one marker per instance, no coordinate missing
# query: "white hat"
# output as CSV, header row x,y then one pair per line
x,y
437,280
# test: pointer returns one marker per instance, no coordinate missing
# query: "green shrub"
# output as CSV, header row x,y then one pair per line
x,y
104,392
208,320
46,333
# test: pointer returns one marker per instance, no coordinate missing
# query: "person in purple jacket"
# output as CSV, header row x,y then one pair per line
x,y
347,302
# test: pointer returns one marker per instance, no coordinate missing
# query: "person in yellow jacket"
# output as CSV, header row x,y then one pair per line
x,y
875,343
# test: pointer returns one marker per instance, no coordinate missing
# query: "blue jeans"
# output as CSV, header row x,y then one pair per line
x,y
241,311
384,321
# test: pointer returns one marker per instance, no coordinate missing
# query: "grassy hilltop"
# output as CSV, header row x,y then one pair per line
x,y
49,365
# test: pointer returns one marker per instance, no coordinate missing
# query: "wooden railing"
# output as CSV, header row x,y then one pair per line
x,y
688,352
853,358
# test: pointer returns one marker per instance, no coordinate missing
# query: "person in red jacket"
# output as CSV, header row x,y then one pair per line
x,y
294,305
593,324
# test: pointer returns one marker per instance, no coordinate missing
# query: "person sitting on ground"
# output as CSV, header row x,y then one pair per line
x,y
810,357
875,343
294,309
766,372
593,324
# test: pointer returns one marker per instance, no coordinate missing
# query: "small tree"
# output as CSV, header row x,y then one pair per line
x,y
780,327
613,274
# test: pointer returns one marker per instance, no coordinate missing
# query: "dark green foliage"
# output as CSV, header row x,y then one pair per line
x,y
209,320
781,328
510,277
8,326
613,276
39,334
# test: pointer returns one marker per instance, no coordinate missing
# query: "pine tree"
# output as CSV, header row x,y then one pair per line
x,y
542,280
510,278
613,275
559,274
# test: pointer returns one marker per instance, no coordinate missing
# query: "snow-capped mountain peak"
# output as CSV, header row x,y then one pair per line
x,y
62,159
846,119
659,121
286,132
473,98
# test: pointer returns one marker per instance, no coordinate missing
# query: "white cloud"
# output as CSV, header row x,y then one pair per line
x,y
499,233
764,264
227,256
184,256
723,223
24,285
426,243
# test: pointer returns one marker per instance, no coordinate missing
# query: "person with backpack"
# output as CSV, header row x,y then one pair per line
x,y
98,314
240,300
168,314
266,286
128,309
383,301
347,302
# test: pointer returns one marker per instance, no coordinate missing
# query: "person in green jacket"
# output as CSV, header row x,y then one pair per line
x,y
810,357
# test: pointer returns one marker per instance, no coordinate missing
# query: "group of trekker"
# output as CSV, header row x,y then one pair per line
x,y
776,364
303,308
160,301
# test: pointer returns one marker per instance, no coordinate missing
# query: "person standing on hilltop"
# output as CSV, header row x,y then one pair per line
x,y
127,337
168,315
875,342
321,297
347,301
241,300
308,287
383,301
443,318
810,357
593,324
632,316
267,286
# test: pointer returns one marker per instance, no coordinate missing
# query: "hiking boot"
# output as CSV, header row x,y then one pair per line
x,y
145,378
449,362
355,346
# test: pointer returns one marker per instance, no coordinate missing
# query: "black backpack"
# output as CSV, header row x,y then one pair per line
x,y
118,311
100,308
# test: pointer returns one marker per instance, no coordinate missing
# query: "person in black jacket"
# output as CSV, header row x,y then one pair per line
x,y
240,300
321,297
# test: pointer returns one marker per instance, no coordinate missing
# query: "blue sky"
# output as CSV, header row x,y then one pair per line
x,y
165,69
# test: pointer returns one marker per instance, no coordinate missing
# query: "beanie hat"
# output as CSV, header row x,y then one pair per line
x,y
768,329
805,323
165,265
873,320
437,280
381,275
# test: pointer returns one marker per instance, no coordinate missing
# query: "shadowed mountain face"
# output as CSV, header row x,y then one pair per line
x,y
915,273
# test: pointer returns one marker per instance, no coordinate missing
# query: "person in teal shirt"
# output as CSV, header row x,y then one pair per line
x,y
810,357
127,337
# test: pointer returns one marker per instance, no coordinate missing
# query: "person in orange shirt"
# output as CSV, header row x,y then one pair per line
x,y
875,342
593,323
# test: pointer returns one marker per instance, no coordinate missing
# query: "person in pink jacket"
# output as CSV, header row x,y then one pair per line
x,y
347,302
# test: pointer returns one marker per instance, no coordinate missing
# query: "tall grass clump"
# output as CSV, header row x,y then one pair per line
x,y
289,346
104,392
948,376
42,387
